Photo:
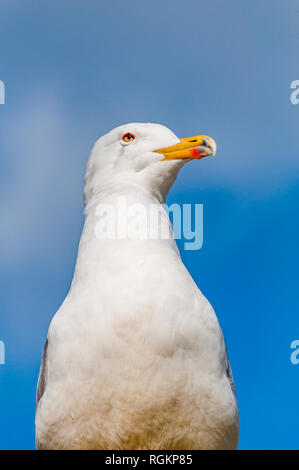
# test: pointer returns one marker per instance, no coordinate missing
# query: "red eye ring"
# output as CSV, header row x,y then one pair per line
x,y
128,137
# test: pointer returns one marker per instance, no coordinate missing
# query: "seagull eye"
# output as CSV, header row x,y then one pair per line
x,y
128,137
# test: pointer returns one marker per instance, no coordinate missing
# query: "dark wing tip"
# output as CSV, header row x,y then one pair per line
x,y
41,384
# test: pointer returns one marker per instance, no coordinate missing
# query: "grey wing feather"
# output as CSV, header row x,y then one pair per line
x,y
41,384
229,372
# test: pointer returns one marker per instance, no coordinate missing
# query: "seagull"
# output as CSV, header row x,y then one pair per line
x,y
135,357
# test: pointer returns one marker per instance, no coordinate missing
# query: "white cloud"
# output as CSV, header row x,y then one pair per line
x,y
44,166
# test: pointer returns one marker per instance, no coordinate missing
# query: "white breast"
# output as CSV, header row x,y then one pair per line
x,y
136,357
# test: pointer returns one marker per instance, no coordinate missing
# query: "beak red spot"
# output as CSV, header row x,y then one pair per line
x,y
195,153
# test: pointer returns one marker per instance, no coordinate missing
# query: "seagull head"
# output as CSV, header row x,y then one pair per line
x,y
142,155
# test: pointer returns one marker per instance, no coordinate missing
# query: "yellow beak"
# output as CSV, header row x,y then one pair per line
x,y
190,148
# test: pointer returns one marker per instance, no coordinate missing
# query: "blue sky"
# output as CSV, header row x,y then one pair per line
x,y
75,69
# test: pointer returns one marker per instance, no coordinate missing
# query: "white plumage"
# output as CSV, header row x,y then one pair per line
x,y
135,357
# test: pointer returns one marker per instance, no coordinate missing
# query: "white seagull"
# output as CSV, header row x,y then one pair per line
x,y
135,357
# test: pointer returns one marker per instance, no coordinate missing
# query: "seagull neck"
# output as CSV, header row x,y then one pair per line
x,y
123,229
132,195
126,215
